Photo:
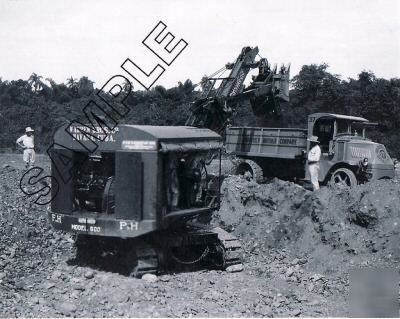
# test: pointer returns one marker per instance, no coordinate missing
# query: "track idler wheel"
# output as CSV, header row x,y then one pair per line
x,y
148,261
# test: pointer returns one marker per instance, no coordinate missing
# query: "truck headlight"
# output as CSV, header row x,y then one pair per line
x,y
364,162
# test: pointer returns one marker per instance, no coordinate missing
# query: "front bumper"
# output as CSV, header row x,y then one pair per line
x,y
101,226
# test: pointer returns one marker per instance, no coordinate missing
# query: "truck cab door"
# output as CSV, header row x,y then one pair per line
x,y
324,129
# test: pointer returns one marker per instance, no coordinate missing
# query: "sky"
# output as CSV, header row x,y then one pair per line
x,y
60,39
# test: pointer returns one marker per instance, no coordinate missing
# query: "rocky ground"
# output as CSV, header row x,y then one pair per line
x,y
298,249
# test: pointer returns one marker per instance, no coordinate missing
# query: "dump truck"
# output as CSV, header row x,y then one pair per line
x,y
146,186
348,156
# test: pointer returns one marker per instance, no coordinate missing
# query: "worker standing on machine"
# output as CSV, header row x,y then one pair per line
x,y
173,189
314,155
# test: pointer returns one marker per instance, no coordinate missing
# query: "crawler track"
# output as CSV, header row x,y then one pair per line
x,y
147,261
232,249
198,247
202,247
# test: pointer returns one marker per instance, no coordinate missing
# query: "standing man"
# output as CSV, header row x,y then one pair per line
x,y
27,142
314,155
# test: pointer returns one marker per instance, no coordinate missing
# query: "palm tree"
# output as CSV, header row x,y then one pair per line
x,y
85,86
127,87
72,83
35,81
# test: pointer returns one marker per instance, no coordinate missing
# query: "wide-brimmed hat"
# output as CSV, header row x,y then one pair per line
x,y
29,129
313,139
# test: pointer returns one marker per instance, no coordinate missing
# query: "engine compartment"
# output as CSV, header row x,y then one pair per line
x,y
93,183
187,183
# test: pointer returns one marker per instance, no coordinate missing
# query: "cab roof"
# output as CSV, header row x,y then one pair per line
x,y
133,137
170,132
339,116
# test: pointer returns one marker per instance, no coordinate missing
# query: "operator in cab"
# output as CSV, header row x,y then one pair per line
x,y
314,155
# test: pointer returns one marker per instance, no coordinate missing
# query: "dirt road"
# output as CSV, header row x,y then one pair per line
x,y
299,247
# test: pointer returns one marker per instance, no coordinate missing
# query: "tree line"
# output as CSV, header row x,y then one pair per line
x,y
45,105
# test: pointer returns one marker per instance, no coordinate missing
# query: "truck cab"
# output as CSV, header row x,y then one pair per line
x,y
348,156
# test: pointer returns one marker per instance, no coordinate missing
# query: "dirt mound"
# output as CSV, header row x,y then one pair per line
x,y
332,228
298,246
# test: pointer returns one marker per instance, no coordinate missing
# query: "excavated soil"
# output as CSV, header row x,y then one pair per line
x,y
299,247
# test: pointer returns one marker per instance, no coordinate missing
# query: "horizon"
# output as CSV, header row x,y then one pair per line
x,y
45,81
60,40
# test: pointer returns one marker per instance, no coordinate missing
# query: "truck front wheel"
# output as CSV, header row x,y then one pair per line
x,y
344,177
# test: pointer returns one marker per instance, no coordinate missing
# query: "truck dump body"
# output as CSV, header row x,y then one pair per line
x,y
285,143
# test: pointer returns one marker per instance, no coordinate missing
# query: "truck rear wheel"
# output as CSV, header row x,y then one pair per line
x,y
344,177
251,167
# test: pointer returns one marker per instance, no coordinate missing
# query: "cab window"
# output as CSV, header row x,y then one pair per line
x,y
324,129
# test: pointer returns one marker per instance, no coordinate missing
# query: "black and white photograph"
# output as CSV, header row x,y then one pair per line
x,y
210,159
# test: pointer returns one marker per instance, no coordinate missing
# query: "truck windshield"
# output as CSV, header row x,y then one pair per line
x,y
362,128
352,128
343,127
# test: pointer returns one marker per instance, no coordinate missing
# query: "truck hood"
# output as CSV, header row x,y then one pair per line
x,y
364,148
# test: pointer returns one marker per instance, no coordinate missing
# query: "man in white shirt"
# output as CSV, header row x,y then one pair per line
x,y
27,142
314,155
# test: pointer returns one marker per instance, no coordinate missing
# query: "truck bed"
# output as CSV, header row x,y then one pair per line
x,y
285,143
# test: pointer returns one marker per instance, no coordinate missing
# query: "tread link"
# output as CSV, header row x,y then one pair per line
x,y
147,261
232,247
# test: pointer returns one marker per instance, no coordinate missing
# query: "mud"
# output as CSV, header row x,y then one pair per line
x,y
298,249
